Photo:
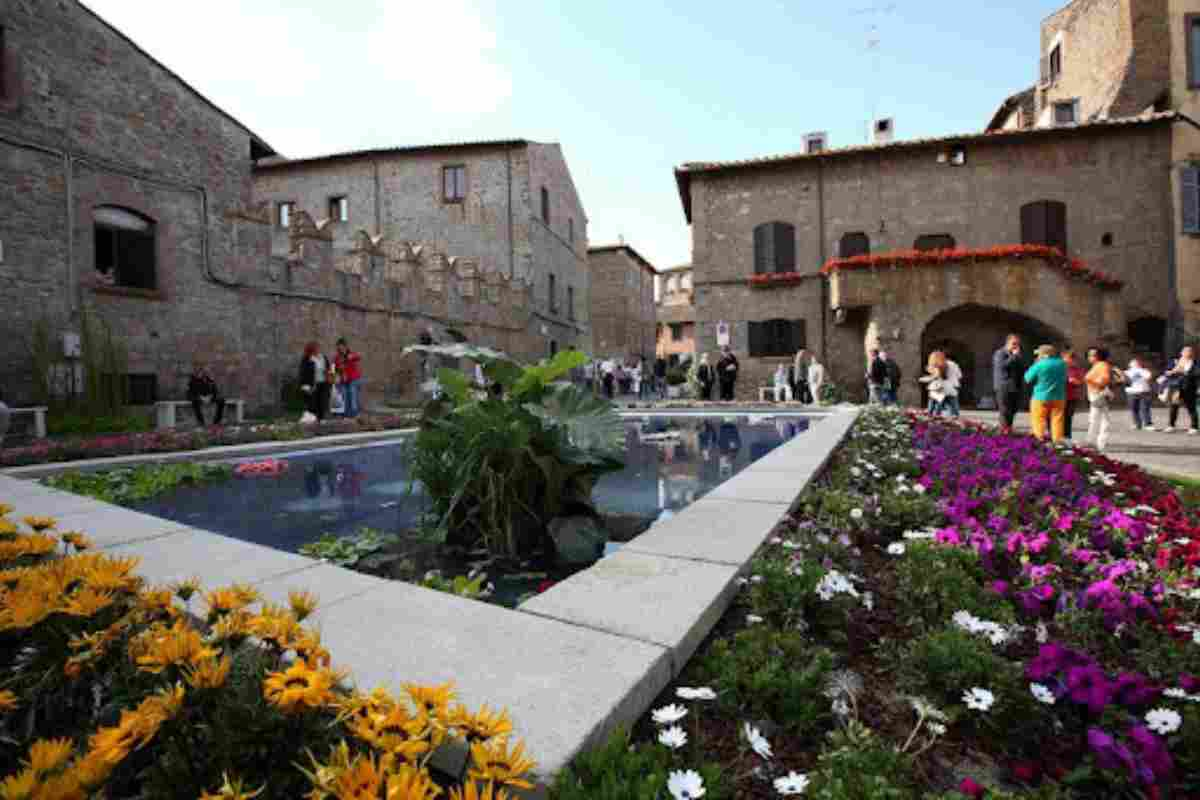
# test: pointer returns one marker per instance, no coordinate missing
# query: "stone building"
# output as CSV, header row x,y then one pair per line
x,y
806,249
132,196
499,211
622,302
676,310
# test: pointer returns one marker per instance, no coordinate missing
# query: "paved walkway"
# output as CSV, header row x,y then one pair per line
x,y
571,664
1165,453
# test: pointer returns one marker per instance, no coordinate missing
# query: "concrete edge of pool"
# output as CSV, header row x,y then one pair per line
x,y
571,664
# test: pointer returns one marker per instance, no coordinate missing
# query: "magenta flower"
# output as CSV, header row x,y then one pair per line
x,y
1155,761
1065,522
1089,686
1110,754
948,536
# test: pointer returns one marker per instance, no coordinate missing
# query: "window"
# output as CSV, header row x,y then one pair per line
x,y
934,241
854,244
1045,222
339,208
553,348
1189,182
571,230
142,389
454,183
551,299
777,337
394,295
814,143
1191,29
125,248
1066,112
774,248
570,302
285,214
1055,63
676,331
545,205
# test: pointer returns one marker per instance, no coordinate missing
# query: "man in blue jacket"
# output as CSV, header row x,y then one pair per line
x,y
1006,380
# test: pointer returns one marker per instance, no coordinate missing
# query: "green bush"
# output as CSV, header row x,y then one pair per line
x,y
129,486
937,581
620,770
944,663
858,766
76,424
676,376
762,673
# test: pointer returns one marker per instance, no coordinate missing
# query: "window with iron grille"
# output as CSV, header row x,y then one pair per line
x,y
126,248
777,337
1055,63
774,248
454,183
1191,27
570,302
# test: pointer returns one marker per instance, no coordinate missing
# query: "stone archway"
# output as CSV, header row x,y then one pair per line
x,y
970,334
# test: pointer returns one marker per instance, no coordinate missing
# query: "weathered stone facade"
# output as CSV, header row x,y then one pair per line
x,y
676,313
622,302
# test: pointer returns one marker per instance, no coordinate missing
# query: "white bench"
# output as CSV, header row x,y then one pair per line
x,y
165,411
766,394
39,419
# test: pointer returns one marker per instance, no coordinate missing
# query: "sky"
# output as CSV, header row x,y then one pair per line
x,y
629,89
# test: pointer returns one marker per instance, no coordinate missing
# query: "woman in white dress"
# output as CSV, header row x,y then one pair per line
x,y
816,377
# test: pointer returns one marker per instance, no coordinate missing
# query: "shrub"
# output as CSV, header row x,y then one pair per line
x,y
620,770
858,766
768,674
138,484
946,662
676,376
115,689
75,424
937,581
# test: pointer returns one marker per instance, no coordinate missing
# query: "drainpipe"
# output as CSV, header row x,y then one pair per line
x,y
821,253
512,256
378,210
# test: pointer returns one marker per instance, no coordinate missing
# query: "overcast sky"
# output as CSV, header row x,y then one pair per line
x,y
630,88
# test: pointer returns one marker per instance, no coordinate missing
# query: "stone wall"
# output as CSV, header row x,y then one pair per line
x,y
622,304
1185,152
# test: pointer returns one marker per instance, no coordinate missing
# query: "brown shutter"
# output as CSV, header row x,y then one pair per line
x,y
1056,225
1033,223
756,338
785,247
763,249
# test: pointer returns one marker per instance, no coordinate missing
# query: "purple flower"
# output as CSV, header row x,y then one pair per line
x,y
1132,689
1110,754
1015,543
1065,522
999,587
948,536
1039,543
1051,658
1153,754
1089,686
1083,556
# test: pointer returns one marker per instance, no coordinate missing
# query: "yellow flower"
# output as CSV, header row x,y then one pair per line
x,y
303,604
64,786
361,781
185,589
276,625
232,790
495,761
19,785
210,674
395,732
91,771
87,602
6,509
433,700
47,755
104,572
77,540
471,791
409,783
308,647
178,646
482,725
7,526
25,608
222,601
38,544
300,687
40,524
10,577
8,700
232,628
161,600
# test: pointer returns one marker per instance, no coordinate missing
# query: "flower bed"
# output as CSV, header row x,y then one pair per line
x,y
110,688
950,612
45,451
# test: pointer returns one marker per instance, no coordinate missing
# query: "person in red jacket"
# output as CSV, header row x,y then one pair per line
x,y
349,371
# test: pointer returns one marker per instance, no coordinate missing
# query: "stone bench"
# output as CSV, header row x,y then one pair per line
x,y
165,411
39,419
766,394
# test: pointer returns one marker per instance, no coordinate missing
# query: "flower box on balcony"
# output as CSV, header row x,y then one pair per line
x,y
772,279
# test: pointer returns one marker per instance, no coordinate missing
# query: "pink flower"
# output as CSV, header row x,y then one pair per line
x,y
1039,543
970,788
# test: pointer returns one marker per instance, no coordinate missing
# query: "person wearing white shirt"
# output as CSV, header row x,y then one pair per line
x,y
950,385
1138,390
816,377
782,386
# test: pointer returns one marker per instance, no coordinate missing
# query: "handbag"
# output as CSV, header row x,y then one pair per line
x,y
337,403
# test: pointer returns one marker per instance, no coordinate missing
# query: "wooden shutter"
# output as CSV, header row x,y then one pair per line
x,y
764,249
756,338
1190,185
799,335
1033,223
785,247
1056,225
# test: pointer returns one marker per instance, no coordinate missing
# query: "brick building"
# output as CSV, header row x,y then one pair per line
x,y
133,196
622,302
1113,188
676,313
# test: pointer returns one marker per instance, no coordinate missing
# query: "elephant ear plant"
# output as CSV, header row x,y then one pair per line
x,y
499,465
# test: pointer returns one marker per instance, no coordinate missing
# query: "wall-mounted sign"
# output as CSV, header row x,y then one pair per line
x,y
722,333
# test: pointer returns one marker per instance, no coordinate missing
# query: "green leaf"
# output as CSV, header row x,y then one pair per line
x,y
537,377
455,384
590,422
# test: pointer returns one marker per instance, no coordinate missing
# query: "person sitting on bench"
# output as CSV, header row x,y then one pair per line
x,y
203,389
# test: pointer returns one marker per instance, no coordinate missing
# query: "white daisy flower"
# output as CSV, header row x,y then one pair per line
x,y
856,513
685,785
791,784
1043,633
753,619
895,549
668,715
937,728
1175,693
868,601
840,707
673,737
758,742
698,693
919,488
978,699
756,578
1042,693
1163,720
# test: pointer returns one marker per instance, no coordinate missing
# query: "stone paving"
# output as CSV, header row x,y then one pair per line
x,y
570,664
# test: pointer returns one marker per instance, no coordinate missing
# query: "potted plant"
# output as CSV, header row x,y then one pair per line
x,y
676,381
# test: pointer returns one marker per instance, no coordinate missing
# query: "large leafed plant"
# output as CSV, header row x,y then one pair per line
x,y
500,464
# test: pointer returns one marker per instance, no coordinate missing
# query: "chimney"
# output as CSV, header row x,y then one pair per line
x,y
883,131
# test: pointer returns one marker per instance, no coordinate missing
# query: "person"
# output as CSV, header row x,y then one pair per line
x,y
782,386
635,376
1075,384
660,377
727,370
816,377
892,385
876,377
608,370
951,384
1006,380
704,374
349,370
203,389
1099,391
1181,381
314,380
1139,393
801,390
935,383
1048,377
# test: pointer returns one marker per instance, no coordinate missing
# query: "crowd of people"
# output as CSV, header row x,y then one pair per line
x,y
331,385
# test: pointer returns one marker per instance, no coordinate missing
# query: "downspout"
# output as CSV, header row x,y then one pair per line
x,y
378,210
512,257
821,253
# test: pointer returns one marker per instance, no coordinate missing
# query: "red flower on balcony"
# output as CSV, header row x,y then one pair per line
x,y
920,258
769,279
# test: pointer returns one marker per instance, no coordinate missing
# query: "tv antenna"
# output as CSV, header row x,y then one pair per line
x,y
875,14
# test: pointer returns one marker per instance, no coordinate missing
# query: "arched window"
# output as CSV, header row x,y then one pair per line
x,y
934,241
854,244
1045,222
774,248
126,254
